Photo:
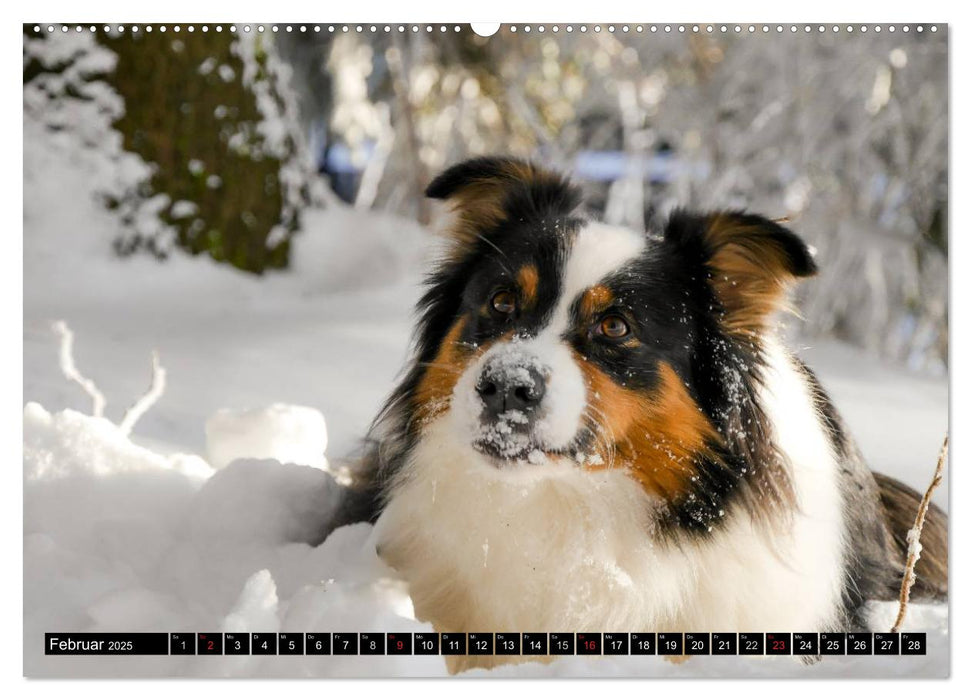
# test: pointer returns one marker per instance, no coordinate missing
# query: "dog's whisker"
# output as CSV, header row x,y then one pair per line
x,y
493,245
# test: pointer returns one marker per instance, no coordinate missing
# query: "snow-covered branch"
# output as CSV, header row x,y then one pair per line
x,y
913,539
70,370
148,399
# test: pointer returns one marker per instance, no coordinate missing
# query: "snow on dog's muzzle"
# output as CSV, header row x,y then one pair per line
x,y
511,387
523,400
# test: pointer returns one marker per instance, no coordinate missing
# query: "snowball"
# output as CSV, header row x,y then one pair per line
x,y
293,434
265,501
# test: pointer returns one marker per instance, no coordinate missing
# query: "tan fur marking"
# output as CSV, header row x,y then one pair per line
x,y
749,274
656,436
594,301
478,205
528,280
434,391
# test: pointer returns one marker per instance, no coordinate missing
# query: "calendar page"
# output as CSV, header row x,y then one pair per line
x,y
379,350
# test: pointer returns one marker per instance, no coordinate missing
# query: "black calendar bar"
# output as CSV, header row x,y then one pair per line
x,y
209,643
372,643
670,643
724,643
344,643
913,643
832,643
751,643
237,643
589,643
264,643
859,643
399,644
697,643
487,643
182,643
291,643
86,643
536,643
778,643
481,643
454,643
643,643
616,643
886,643
509,643
805,644
563,643
317,643
426,643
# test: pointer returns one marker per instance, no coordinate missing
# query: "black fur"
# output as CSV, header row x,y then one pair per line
x,y
526,199
461,175
665,294
668,297
536,212
687,230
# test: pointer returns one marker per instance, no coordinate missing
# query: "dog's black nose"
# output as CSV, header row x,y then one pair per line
x,y
503,388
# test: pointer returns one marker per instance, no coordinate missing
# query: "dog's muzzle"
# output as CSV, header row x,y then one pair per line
x,y
503,387
511,387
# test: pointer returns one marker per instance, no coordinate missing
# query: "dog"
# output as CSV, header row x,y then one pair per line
x,y
600,430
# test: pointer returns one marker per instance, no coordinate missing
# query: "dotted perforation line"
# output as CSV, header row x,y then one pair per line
x,y
259,28
525,28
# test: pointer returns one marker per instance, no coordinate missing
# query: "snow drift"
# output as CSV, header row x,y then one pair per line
x,y
138,532
120,538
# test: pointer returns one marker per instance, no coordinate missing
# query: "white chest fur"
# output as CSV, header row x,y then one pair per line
x,y
553,547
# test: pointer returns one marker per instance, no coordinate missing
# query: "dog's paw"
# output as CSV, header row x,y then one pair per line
x,y
676,658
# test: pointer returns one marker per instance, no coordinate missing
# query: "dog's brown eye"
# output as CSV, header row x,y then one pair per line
x,y
504,303
614,327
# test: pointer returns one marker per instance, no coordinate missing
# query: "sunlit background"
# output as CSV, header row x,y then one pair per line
x,y
843,133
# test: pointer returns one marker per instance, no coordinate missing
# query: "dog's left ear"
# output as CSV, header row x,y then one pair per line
x,y
751,263
484,192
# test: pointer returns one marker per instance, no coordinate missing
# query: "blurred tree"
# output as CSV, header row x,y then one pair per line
x,y
213,114
211,160
844,134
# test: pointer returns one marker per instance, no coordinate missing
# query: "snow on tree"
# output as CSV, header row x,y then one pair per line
x,y
844,134
222,167
70,103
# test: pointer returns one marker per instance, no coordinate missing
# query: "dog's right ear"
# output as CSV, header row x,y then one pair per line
x,y
751,262
484,192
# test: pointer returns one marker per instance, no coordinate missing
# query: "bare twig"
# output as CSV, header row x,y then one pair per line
x,y
70,370
148,399
913,539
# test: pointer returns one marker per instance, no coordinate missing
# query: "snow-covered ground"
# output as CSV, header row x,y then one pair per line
x,y
154,532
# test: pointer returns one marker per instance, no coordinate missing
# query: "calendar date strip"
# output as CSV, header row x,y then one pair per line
x,y
486,643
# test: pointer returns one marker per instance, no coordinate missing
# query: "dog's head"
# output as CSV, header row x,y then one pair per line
x,y
547,337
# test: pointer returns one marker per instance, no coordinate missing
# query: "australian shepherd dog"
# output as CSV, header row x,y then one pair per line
x,y
600,430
